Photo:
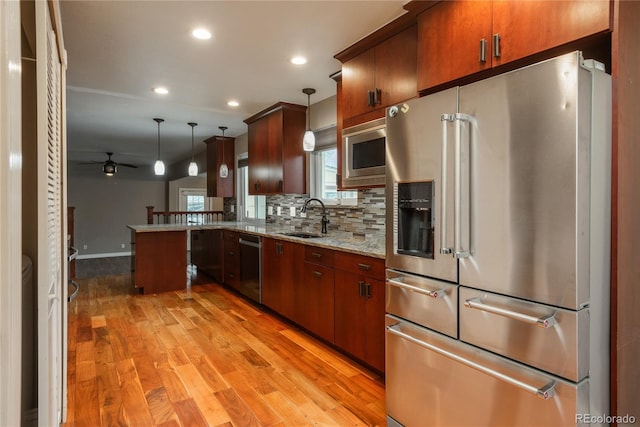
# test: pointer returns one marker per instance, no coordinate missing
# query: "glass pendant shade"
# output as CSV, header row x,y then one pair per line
x,y
193,169
158,167
224,170
309,141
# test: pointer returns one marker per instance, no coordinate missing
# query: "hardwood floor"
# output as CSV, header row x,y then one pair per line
x,y
202,357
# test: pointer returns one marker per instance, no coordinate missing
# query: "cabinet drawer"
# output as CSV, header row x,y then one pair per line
x,y
372,267
548,338
427,302
318,255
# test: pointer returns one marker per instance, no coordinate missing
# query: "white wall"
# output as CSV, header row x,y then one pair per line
x,y
105,206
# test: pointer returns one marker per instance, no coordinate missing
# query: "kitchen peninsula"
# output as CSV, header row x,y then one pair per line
x,y
331,285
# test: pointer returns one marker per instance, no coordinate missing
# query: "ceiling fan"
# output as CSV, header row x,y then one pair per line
x,y
109,167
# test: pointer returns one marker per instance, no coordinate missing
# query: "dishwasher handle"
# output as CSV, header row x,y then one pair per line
x,y
545,392
250,243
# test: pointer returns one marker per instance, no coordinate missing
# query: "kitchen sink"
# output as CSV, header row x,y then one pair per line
x,y
303,234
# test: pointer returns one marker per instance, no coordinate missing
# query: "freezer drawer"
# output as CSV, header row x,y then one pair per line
x,y
548,338
437,381
430,303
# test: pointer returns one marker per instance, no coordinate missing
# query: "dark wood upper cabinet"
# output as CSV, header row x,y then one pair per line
x,y
220,149
378,77
460,38
276,158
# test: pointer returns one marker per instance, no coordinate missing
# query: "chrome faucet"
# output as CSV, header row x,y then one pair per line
x,y
324,221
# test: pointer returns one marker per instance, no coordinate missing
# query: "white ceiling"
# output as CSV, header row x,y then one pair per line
x,y
119,50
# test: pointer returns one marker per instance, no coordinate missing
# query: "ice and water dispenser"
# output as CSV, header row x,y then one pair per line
x,y
415,219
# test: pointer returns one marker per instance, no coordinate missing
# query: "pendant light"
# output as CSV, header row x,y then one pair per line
x,y
193,166
309,139
158,167
224,169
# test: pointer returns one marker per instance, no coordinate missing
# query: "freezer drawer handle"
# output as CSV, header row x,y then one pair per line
x,y
440,293
545,392
542,322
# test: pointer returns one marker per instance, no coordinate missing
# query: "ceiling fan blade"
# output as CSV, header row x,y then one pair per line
x,y
127,165
90,163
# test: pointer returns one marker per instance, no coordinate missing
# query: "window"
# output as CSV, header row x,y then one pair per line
x,y
250,208
193,200
324,166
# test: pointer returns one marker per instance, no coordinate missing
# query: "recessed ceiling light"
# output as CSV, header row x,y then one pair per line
x,y
161,90
299,60
201,33
233,103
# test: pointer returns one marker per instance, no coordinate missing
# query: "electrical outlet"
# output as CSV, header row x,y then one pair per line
x,y
303,214
269,210
233,208
84,247
279,210
292,211
122,246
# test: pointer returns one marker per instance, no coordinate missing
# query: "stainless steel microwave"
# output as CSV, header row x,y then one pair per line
x,y
363,154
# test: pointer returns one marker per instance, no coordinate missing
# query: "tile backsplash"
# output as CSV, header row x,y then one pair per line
x,y
367,218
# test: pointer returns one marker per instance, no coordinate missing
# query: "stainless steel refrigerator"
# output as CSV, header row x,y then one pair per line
x,y
497,249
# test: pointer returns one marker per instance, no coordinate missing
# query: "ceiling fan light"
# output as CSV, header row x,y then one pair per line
x,y
224,170
109,169
158,167
309,141
193,169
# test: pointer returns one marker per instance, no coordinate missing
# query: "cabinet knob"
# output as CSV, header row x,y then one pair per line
x,y
317,273
316,255
361,288
371,100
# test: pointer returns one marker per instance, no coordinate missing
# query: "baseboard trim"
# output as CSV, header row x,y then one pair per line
x,y
104,255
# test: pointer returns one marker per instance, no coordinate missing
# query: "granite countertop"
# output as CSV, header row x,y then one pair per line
x,y
369,245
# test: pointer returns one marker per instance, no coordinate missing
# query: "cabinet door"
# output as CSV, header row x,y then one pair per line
x,y
449,37
528,27
315,300
350,313
282,265
231,259
197,248
275,122
258,146
374,322
359,316
357,80
395,68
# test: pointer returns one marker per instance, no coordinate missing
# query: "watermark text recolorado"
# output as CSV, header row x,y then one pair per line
x,y
605,419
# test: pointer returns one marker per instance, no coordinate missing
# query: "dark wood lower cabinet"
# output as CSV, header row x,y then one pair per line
x,y
231,246
159,261
207,252
315,300
282,270
359,316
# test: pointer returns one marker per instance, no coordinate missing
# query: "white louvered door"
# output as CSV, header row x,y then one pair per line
x,y
51,230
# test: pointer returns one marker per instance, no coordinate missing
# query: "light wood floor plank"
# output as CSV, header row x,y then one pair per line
x,y
205,357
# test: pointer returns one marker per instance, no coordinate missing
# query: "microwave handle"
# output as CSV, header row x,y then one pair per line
x,y
445,118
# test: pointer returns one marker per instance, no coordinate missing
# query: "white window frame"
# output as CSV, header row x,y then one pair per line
x,y
240,199
316,169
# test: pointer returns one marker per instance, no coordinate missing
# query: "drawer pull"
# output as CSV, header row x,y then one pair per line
x,y
365,267
316,255
542,322
439,293
317,273
545,392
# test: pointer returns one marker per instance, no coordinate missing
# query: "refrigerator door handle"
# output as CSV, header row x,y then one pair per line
x,y
438,293
542,322
444,249
545,392
458,250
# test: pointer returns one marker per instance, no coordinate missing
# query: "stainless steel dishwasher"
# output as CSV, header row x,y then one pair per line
x,y
251,266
